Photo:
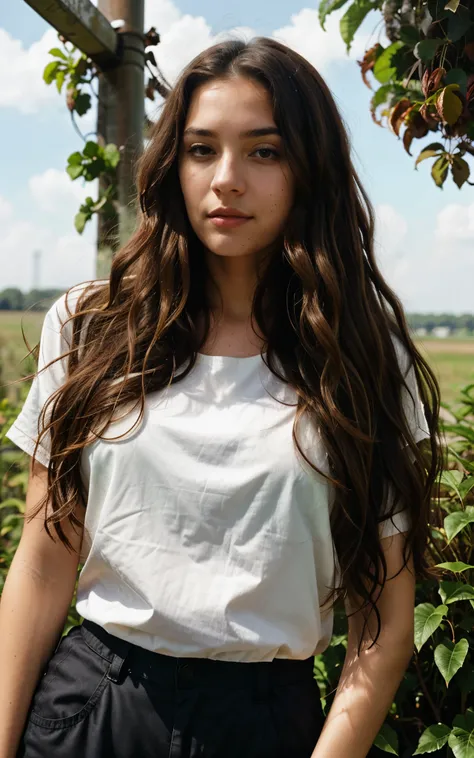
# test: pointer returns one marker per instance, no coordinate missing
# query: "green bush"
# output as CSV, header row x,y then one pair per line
x,y
430,712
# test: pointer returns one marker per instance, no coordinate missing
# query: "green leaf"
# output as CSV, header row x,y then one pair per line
x,y
457,76
326,7
439,170
450,592
449,103
426,49
57,53
456,522
460,170
80,220
49,73
409,35
451,478
91,149
427,620
384,68
74,171
426,154
458,23
433,738
466,486
82,103
461,739
75,159
387,740
449,657
457,567
93,169
60,76
13,502
353,18
112,155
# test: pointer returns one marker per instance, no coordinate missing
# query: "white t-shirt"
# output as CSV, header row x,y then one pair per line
x,y
206,534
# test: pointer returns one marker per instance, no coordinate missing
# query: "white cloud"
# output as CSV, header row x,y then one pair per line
x,y
6,209
65,259
21,72
390,247
455,221
434,273
53,190
321,48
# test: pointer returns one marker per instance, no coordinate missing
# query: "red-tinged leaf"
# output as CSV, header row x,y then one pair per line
x,y
469,51
460,171
430,116
368,62
408,139
417,124
398,114
449,105
439,170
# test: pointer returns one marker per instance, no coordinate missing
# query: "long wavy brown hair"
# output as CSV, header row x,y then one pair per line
x,y
331,326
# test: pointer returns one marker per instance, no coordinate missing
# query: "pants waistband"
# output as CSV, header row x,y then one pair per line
x,y
186,672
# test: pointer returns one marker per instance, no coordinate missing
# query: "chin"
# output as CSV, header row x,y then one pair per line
x,y
226,247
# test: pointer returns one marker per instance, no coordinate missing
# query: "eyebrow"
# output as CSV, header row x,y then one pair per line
x,y
261,132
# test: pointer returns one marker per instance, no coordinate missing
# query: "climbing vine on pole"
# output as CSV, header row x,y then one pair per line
x,y
76,73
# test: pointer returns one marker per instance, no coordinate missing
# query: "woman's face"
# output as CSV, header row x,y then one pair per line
x,y
220,165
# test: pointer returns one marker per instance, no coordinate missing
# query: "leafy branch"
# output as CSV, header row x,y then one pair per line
x,y
426,76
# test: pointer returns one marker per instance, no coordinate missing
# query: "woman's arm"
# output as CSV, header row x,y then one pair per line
x,y
35,601
368,683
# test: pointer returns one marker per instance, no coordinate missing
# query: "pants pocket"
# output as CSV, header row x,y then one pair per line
x,y
298,718
71,685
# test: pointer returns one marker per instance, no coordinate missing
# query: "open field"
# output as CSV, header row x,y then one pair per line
x,y
451,359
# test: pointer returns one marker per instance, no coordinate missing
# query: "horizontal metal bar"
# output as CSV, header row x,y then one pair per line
x,y
81,23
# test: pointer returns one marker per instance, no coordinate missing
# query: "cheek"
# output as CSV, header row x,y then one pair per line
x,y
192,186
280,199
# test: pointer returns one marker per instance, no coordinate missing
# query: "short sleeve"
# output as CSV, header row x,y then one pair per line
x,y
418,425
25,430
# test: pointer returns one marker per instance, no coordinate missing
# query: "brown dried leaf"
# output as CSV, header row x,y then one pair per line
x,y
469,51
408,139
367,63
398,115
431,118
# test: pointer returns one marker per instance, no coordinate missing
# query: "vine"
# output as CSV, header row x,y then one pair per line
x,y
73,70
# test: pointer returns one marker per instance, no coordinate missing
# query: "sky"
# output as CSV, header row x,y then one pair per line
x,y
424,235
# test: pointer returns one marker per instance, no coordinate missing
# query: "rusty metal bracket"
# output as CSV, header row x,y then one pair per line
x,y
83,25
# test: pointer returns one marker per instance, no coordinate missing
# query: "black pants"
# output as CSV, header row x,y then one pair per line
x,y
102,697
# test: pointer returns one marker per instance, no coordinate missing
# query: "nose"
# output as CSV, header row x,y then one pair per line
x,y
228,175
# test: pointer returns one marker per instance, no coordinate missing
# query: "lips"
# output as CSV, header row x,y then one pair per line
x,y
228,213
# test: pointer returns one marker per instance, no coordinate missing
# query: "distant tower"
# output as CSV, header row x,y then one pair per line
x,y
36,269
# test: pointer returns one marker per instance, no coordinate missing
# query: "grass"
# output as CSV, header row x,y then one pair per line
x,y
451,359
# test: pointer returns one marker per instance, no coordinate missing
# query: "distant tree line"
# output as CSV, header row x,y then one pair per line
x,y
13,299
430,321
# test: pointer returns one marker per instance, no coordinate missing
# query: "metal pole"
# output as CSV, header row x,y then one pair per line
x,y
121,117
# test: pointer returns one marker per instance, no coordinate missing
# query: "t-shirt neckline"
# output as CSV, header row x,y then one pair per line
x,y
229,358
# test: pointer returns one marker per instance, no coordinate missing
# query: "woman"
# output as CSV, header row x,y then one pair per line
x,y
228,445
